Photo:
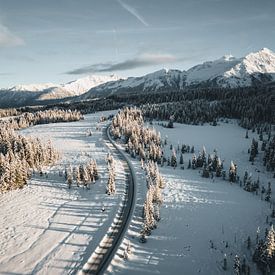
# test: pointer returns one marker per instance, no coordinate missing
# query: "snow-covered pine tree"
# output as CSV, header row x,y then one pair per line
x,y
77,176
268,192
194,162
69,175
174,159
205,172
233,172
237,265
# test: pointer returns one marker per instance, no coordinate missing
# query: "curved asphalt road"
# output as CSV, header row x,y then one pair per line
x,y
108,246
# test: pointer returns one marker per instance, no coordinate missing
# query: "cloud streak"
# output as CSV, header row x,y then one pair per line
x,y
8,39
134,12
143,60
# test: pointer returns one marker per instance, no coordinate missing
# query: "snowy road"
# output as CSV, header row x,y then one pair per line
x,y
107,248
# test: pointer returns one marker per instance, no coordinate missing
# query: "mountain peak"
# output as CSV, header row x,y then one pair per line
x,y
266,50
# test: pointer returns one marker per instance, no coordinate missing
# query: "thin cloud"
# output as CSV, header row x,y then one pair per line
x,y
134,12
8,39
140,61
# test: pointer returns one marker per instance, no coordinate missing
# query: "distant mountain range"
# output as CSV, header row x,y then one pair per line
x,y
227,72
32,94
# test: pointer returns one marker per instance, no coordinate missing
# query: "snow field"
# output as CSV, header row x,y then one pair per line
x,y
197,210
46,228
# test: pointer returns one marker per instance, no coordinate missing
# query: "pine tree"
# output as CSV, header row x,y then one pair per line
x,y
69,176
248,242
95,170
174,159
233,172
77,176
181,158
268,193
219,168
237,265
86,178
205,172
111,188
194,162
224,262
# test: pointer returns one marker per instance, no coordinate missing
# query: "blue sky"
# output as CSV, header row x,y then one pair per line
x,y
58,41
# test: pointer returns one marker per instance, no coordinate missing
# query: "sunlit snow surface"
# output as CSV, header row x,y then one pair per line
x,y
197,210
46,228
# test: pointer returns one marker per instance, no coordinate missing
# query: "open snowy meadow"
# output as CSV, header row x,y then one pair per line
x,y
203,220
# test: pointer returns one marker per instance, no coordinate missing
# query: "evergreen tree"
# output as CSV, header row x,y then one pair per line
x,y
194,162
205,172
219,167
77,176
268,193
189,164
181,158
237,265
233,172
174,159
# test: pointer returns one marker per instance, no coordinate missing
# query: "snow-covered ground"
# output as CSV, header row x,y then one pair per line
x,y
197,210
46,228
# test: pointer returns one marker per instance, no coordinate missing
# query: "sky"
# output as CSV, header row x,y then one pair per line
x,y
59,41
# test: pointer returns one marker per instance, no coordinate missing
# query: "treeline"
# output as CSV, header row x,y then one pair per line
x,y
251,105
9,112
267,147
41,117
269,154
18,155
264,254
145,143
82,174
153,199
140,140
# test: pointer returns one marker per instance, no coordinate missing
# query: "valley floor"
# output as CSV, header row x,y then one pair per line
x,y
47,228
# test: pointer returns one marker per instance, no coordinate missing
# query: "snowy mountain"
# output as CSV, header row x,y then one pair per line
x,y
20,95
231,72
255,67
210,70
32,87
227,72
159,80
77,87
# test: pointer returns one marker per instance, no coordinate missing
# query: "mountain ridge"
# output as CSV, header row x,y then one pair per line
x,y
255,68
225,72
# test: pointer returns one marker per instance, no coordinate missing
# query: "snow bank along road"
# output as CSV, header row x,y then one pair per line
x,y
108,246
